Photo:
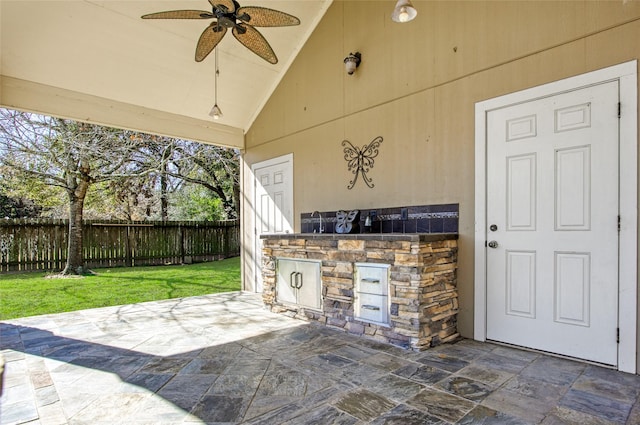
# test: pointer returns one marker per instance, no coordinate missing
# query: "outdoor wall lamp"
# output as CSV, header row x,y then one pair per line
x,y
404,11
351,62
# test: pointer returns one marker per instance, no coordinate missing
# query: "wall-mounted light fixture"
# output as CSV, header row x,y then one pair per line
x,y
351,62
216,112
404,11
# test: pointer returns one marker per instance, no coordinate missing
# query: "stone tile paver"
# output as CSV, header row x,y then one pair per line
x,y
364,404
501,362
554,370
442,361
596,405
564,416
481,415
395,388
465,388
323,415
422,374
491,377
224,359
405,415
537,389
442,405
518,405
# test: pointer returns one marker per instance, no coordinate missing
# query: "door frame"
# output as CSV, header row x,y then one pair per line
x,y
626,75
288,160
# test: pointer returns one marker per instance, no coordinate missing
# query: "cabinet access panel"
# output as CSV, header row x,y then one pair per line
x,y
298,282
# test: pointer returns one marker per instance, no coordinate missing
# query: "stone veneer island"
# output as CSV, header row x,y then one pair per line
x,y
422,291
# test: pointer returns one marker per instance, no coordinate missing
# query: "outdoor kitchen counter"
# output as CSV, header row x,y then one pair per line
x,y
410,237
418,281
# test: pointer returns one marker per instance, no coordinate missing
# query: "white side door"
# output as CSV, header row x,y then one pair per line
x,y
273,203
552,223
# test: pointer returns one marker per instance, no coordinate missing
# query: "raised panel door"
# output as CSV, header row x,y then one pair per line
x,y
552,198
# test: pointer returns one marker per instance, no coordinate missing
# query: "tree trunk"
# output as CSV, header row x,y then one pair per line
x,y
236,200
164,184
75,259
164,202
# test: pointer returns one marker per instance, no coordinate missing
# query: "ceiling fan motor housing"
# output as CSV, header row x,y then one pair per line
x,y
227,21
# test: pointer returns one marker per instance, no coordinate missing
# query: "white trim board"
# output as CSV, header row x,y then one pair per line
x,y
627,76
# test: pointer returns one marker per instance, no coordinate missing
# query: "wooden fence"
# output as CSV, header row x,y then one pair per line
x,y
42,244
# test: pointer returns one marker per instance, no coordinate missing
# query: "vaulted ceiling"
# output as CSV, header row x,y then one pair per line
x,y
98,61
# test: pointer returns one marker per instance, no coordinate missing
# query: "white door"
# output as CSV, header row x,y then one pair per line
x,y
552,223
273,203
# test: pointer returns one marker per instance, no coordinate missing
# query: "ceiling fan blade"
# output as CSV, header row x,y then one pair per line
x,y
230,5
254,41
265,17
179,14
209,39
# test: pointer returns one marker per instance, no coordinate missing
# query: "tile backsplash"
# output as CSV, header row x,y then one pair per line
x,y
413,219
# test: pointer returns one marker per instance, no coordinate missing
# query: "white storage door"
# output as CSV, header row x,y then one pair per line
x,y
285,281
298,282
309,284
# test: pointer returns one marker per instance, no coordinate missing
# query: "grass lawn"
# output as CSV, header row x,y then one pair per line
x,y
30,294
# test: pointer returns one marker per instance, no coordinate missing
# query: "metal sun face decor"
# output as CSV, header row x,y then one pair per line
x,y
360,160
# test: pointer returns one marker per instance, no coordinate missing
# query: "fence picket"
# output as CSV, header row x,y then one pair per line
x,y
41,244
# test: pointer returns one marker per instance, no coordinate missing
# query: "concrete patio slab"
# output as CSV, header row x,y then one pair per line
x,y
224,359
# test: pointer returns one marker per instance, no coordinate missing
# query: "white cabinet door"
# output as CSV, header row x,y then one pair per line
x,y
309,284
298,282
285,282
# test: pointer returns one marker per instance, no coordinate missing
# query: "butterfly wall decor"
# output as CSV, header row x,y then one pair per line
x,y
348,222
360,160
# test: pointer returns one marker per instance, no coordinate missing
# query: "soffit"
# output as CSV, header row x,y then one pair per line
x,y
104,50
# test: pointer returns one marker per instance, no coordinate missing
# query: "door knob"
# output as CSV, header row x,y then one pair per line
x,y
493,244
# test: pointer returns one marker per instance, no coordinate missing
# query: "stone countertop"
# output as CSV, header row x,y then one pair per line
x,y
409,237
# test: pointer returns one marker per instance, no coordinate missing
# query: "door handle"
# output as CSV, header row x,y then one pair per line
x,y
298,281
370,280
493,244
293,276
370,307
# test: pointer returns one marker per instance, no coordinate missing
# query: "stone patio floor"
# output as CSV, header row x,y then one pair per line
x,y
225,359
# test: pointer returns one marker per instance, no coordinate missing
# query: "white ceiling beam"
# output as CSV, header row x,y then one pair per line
x,y
39,98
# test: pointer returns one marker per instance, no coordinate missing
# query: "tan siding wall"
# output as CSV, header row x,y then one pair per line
x,y
417,87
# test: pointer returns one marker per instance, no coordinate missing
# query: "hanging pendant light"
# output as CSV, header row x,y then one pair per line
x,y
216,112
404,11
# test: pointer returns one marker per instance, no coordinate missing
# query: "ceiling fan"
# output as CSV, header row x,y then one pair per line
x,y
228,14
